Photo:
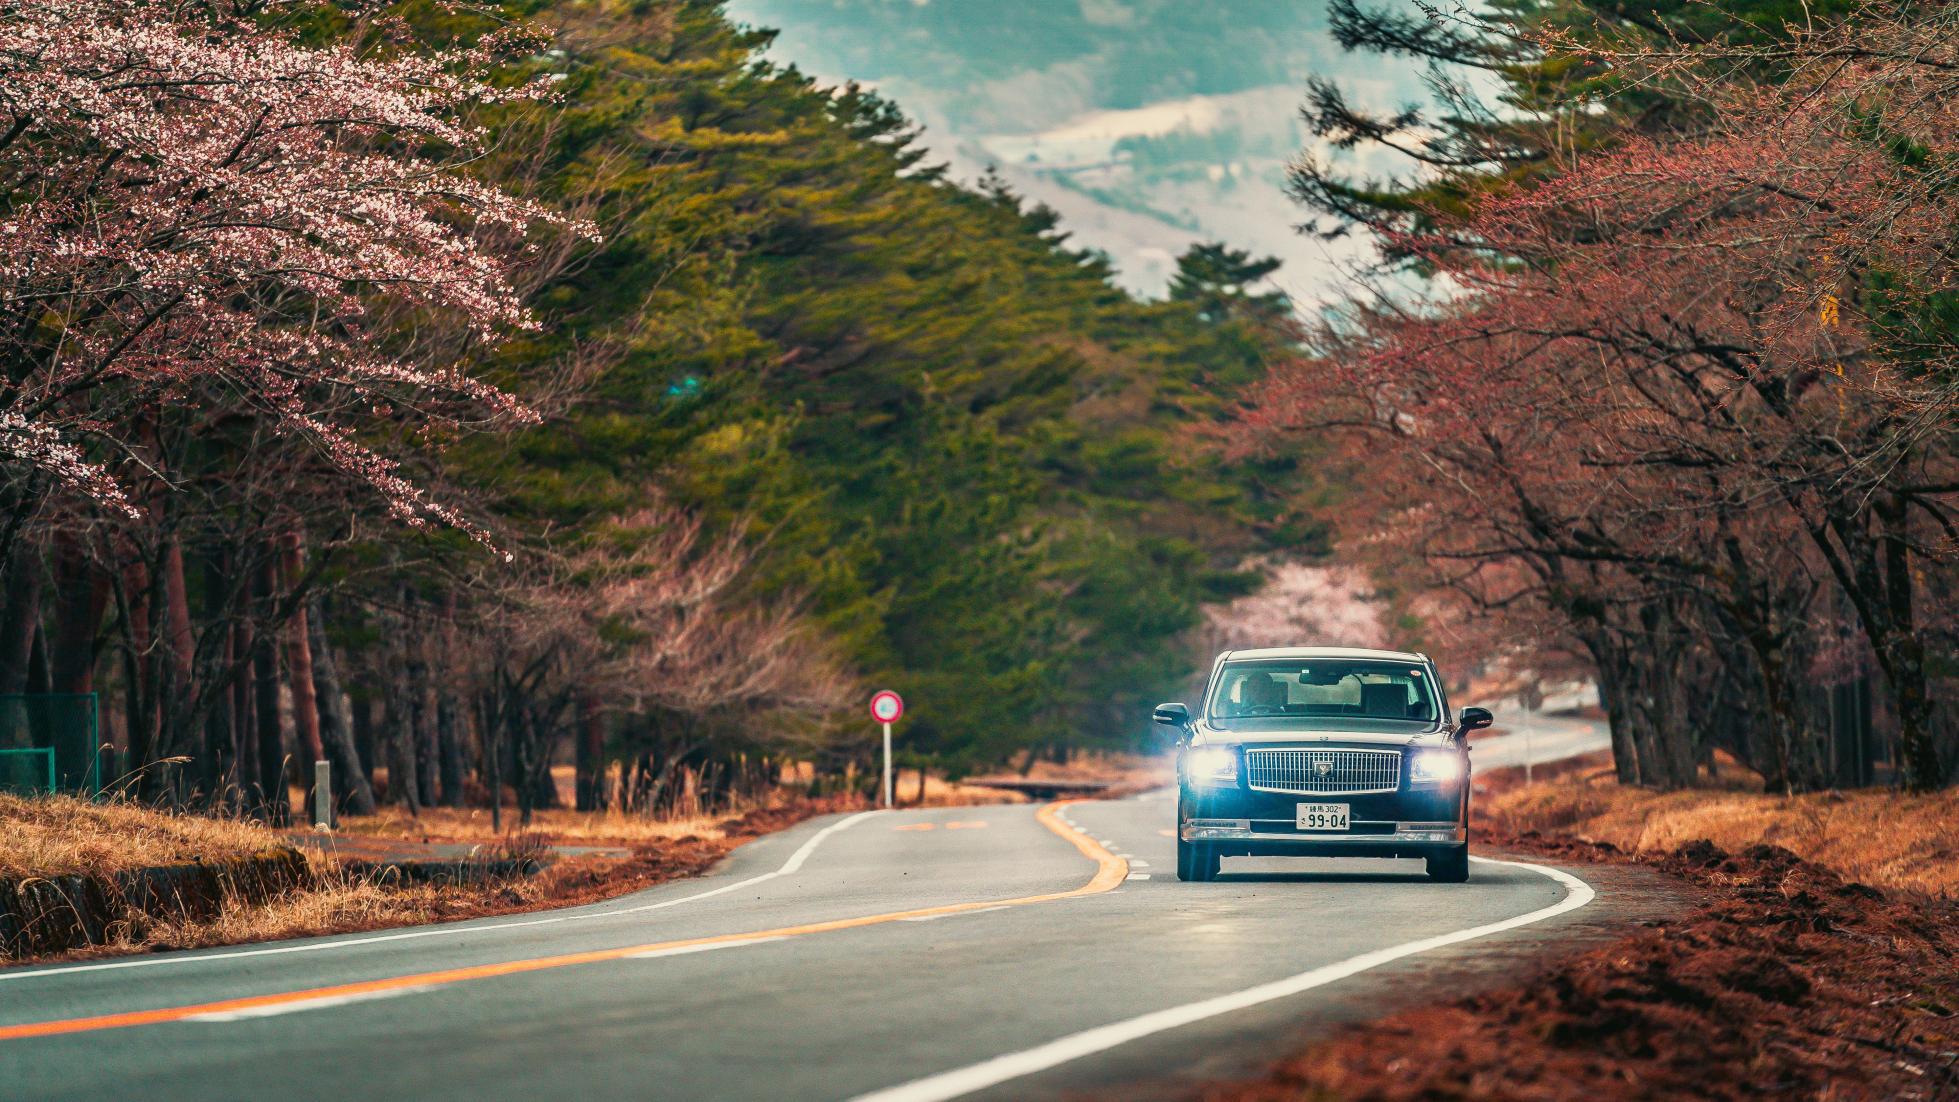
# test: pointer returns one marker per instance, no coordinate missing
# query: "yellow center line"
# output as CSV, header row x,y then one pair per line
x,y
1109,873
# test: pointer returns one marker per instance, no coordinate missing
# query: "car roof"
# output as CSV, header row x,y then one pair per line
x,y
1322,652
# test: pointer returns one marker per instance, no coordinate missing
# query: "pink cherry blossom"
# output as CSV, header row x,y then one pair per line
x,y
195,208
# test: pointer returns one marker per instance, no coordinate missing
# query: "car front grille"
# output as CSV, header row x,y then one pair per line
x,y
1323,772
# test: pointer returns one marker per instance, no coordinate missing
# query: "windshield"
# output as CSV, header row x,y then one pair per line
x,y
1326,692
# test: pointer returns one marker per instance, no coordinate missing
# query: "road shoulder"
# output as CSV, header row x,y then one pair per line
x,y
1779,978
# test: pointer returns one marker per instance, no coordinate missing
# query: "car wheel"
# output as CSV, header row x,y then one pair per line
x,y
1451,866
1197,862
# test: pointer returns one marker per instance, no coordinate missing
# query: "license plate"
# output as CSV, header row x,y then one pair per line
x,y
1323,816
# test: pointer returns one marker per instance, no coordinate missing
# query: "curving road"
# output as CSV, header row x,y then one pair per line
x,y
1006,951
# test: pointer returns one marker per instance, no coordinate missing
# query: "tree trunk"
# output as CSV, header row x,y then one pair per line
x,y
350,788
590,756
1614,694
134,605
272,794
40,675
244,726
363,710
421,707
20,615
544,785
403,785
520,716
299,674
493,760
81,595
176,617
449,750
172,692
1917,755
221,721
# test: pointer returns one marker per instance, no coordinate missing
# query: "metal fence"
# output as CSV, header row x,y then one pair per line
x,y
27,772
50,742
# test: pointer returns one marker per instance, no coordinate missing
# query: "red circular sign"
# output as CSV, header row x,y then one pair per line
x,y
887,706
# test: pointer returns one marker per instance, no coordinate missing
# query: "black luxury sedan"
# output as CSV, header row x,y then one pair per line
x,y
1322,752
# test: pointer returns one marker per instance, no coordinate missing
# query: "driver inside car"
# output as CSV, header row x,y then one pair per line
x,y
1260,691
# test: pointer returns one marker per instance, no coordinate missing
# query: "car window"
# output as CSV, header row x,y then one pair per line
x,y
1325,689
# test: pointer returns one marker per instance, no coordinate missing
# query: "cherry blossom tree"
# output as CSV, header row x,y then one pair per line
x,y
1692,395
199,212
645,629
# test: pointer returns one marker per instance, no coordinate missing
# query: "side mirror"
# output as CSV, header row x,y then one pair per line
x,y
1473,719
1172,715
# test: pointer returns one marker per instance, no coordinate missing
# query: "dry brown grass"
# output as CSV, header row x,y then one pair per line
x,y
1875,836
557,826
58,835
335,904
109,838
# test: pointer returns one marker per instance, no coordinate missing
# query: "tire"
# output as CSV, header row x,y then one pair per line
x,y
1197,862
1451,866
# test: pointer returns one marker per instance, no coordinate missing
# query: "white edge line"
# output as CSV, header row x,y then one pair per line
x,y
1013,1065
320,1003
794,863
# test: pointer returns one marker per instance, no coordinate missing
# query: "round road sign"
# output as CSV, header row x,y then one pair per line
x,y
887,706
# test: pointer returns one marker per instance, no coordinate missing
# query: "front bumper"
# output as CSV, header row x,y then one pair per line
x,y
1246,837
1411,822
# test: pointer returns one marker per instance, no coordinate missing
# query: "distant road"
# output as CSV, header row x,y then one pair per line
x,y
1540,739
1014,951
1551,733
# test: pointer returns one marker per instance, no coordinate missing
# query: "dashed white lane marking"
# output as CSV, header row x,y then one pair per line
x,y
682,950
955,914
1135,864
294,1008
1013,1065
1137,876
794,864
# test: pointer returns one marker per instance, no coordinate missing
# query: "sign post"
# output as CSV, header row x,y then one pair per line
x,y
886,707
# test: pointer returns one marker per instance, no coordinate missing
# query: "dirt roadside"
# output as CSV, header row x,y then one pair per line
x,y
1786,980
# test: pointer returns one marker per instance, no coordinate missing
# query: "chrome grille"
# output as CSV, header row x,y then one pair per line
x,y
1323,772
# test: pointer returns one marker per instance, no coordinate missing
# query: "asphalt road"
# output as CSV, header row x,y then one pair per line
x,y
1540,738
1012,951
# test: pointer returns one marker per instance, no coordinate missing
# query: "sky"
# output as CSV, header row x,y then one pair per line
x,y
1149,125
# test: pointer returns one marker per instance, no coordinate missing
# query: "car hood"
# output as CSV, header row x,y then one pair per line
x,y
1276,735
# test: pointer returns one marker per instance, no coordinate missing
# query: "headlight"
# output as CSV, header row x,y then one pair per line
x,y
1213,766
1435,767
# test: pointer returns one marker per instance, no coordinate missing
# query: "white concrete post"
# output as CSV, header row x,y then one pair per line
x,y
322,795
